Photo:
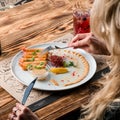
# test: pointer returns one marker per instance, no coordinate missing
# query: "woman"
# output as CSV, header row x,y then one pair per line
x,y
105,25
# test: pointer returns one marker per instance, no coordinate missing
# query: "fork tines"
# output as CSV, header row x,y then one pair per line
x,y
47,49
48,67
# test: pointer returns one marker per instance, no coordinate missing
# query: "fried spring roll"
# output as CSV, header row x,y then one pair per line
x,y
32,59
31,65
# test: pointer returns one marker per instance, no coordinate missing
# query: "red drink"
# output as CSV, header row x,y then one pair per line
x,y
81,21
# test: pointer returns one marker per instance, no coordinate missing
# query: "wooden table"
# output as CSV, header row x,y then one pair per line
x,y
39,21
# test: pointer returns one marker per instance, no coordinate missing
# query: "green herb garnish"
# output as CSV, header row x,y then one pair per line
x,y
68,64
30,60
42,63
34,53
71,63
65,64
38,50
29,67
38,67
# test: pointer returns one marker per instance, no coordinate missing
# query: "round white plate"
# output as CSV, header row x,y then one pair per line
x,y
25,77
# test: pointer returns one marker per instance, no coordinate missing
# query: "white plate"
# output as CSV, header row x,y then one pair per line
x,y
25,77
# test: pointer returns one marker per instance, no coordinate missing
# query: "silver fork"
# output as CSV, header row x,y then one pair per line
x,y
56,47
48,67
47,49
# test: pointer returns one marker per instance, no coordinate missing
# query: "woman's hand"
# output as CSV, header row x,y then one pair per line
x,y
21,112
89,43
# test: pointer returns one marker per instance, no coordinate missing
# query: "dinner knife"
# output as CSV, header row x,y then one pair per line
x,y
28,90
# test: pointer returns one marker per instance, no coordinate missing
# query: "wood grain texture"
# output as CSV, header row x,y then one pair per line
x,y
35,22
68,103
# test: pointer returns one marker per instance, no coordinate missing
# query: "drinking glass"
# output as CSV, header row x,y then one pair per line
x,y
81,21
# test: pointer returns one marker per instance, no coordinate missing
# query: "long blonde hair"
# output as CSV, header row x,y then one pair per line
x,y
105,24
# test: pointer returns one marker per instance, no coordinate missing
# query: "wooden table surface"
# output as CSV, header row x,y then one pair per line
x,y
38,21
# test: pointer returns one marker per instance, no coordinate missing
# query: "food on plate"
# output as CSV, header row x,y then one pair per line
x,y
74,66
32,59
40,73
31,65
68,65
59,70
56,60
60,61
54,82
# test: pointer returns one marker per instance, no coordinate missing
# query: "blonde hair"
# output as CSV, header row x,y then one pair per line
x,y
105,24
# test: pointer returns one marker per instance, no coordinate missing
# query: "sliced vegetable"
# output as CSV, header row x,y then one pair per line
x,y
34,53
31,59
29,67
38,67
59,70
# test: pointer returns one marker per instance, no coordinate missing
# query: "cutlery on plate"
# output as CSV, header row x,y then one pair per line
x,y
28,90
47,49
57,47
